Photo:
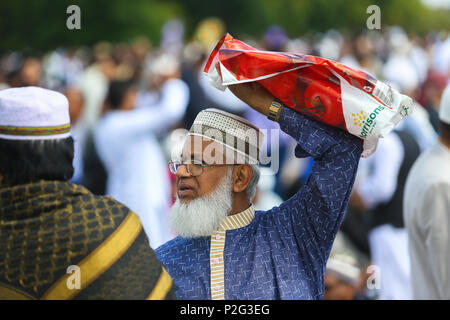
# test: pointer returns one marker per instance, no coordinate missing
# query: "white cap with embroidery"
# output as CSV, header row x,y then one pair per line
x,y
33,113
235,133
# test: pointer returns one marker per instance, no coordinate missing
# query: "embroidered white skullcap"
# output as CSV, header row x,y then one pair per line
x,y
343,267
444,110
237,134
33,113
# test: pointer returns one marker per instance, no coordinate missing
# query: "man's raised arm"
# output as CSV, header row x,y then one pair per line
x,y
313,215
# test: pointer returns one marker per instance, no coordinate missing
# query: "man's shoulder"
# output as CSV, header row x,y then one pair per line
x,y
102,201
181,248
104,210
131,259
172,245
111,203
428,180
430,168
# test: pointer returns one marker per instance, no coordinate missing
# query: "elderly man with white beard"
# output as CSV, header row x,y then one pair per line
x,y
226,250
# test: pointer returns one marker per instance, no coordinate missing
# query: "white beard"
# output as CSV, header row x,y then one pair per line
x,y
201,217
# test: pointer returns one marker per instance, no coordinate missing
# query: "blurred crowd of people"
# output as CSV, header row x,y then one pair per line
x,y
127,99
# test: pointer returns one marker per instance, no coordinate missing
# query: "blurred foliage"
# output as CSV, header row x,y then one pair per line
x,y
41,24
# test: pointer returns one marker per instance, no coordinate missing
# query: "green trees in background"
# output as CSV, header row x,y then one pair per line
x,y
300,16
41,24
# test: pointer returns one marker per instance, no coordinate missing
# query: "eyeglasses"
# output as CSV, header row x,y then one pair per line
x,y
194,169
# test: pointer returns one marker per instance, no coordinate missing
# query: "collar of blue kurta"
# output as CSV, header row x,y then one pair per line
x,y
238,220
217,265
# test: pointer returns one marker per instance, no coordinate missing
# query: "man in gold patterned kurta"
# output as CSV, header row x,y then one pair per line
x,y
59,241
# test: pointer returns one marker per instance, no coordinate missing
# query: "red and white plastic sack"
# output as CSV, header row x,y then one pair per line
x,y
323,89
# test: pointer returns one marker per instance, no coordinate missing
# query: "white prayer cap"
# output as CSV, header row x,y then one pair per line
x,y
402,72
444,110
166,64
233,132
32,113
343,266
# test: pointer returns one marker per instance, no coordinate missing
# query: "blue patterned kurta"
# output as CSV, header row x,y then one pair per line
x,y
282,253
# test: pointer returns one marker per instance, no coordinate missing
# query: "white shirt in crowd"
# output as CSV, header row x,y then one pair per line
x,y
137,169
376,184
427,218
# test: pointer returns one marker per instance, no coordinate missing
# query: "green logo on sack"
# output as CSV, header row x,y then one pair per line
x,y
361,120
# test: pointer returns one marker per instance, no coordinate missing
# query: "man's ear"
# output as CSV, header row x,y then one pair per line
x,y
242,174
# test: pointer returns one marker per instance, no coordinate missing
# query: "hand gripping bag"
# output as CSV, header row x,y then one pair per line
x,y
326,90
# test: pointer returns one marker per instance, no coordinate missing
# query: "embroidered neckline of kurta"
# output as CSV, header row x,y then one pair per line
x,y
235,221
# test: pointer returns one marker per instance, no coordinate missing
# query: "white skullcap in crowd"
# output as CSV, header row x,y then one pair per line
x,y
32,113
444,110
400,71
233,132
343,266
164,65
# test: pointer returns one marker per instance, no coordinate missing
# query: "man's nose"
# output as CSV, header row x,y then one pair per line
x,y
182,172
